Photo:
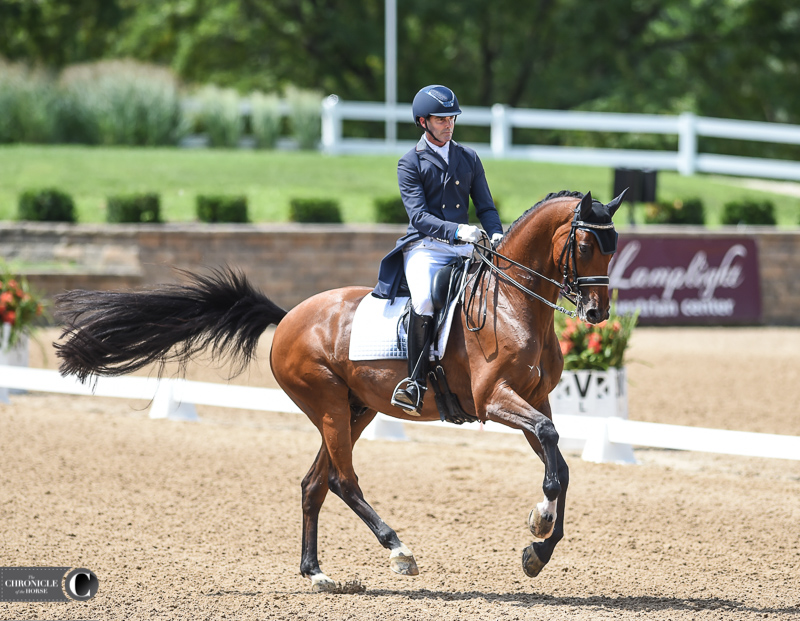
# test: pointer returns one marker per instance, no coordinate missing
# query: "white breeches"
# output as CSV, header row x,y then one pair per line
x,y
422,260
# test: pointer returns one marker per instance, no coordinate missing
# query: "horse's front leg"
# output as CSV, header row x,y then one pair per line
x,y
546,519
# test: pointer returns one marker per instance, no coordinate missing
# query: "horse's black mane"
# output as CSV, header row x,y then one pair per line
x,y
549,197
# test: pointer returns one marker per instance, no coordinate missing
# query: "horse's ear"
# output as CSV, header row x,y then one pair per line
x,y
586,206
615,203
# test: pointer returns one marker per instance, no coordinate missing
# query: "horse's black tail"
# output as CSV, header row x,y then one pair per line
x,y
117,332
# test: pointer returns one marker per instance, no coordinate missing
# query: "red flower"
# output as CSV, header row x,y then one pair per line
x,y
9,317
594,343
6,298
566,346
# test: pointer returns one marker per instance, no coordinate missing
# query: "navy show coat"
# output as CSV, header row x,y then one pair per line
x,y
436,196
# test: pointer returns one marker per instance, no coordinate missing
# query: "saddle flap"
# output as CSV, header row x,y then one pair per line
x,y
445,283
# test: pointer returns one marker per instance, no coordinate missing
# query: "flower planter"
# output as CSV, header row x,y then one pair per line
x,y
590,393
16,356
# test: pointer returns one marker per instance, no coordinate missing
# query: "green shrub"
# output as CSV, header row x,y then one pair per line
x,y
28,105
748,211
49,205
265,119
686,211
306,117
390,210
219,116
222,208
120,102
134,208
314,210
473,216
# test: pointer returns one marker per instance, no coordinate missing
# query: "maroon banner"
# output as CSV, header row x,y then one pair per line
x,y
687,280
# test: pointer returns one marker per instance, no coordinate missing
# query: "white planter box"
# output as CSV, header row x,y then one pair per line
x,y
16,356
590,393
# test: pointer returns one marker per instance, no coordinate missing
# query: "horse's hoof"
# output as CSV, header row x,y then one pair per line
x,y
541,523
402,562
531,564
321,582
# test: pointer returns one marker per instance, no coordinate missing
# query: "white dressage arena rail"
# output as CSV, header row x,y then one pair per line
x,y
501,121
607,439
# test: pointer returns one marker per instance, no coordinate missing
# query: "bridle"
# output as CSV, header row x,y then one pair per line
x,y
570,286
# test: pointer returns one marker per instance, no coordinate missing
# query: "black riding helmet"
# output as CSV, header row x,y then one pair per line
x,y
434,100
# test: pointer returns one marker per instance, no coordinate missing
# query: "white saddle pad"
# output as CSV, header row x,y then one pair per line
x,y
374,335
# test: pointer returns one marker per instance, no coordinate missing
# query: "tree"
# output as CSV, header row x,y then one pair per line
x,y
54,33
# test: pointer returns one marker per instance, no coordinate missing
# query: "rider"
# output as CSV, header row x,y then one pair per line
x,y
437,179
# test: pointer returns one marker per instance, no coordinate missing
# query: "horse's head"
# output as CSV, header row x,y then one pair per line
x,y
585,254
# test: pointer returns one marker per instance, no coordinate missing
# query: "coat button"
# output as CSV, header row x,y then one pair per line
x,y
456,181
442,206
458,206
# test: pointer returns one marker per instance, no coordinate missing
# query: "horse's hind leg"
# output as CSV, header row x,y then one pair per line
x,y
333,469
315,488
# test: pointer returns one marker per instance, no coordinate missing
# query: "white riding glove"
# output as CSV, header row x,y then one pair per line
x,y
496,238
468,233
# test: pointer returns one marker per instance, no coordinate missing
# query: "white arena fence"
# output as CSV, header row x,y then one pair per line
x,y
501,119
606,439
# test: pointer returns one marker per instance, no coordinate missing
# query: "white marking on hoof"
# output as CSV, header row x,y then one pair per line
x,y
402,561
321,582
542,519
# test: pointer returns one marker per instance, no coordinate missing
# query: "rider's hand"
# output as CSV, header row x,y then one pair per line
x,y
468,233
496,239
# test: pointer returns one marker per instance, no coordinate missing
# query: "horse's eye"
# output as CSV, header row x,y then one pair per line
x,y
585,248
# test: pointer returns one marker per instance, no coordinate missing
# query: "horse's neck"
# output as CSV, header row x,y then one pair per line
x,y
532,246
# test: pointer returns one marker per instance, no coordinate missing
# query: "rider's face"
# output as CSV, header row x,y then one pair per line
x,y
441,127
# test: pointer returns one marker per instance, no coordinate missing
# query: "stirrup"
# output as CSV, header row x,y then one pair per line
x,y
403,386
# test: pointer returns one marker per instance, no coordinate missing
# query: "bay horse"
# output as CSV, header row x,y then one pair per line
x,y
502,359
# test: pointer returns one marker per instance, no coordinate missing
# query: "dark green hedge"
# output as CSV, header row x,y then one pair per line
x,y
133,208
473,216
749,212
686,211
48,205
222,208
390,210
314,210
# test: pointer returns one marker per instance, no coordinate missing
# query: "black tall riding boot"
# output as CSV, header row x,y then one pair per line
x,y
408,393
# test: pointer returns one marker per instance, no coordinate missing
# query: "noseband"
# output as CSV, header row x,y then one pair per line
x,y
567,262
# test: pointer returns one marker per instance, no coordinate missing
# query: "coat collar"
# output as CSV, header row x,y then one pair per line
x,y
425,152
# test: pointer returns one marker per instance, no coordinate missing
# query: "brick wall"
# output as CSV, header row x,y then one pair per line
x,y
289,262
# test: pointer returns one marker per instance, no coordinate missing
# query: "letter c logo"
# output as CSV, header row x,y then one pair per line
x,y
81,584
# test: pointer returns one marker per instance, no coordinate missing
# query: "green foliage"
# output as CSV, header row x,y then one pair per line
x,y
120,103
305,115
50,205
729,58
390,210
54,34
134,208
598,347
749,212
219,116
686,211
222,208
473,216
28,105
109,102
314,210
265,119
